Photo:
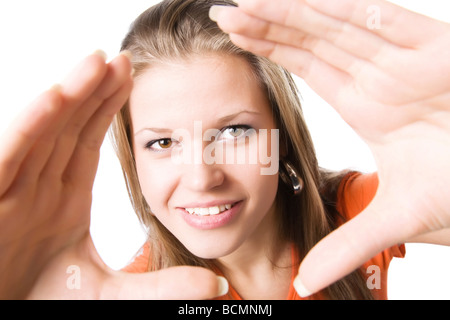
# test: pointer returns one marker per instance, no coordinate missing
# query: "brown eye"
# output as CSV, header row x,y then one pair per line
x,y
160,145
165,143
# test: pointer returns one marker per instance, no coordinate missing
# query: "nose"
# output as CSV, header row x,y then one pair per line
x,y
202,177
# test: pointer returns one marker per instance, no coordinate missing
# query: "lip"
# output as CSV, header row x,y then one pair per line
x,y
213,221
208,204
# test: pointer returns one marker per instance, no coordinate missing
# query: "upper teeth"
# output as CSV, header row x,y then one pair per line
x,y
208,211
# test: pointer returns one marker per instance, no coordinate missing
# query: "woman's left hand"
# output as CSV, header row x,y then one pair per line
x,y
386,70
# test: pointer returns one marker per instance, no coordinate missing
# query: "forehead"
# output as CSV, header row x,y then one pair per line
x,y
195,89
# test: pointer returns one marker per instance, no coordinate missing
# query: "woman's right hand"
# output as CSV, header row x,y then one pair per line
x,y
48,163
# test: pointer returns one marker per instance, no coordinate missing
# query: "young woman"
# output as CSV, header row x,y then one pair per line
x,y
228,218
187,71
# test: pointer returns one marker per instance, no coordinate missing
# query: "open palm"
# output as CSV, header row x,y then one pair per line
x,y
48,162
390,82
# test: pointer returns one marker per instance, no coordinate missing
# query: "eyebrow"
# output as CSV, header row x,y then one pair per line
x,y
223,119
235,115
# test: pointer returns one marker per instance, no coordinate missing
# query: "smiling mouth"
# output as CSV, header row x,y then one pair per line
x,y
210,211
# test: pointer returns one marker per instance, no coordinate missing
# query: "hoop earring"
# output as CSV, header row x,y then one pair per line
x,y
291,178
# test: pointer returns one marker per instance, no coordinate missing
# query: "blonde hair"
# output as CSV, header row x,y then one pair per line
x,y
179,29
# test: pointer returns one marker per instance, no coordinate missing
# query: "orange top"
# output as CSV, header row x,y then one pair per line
x,y
354,194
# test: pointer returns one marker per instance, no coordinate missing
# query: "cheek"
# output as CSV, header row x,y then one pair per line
x,y
261,188
265,190
156,183
261,178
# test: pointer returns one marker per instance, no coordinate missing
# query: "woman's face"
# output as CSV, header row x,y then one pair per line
x,y
201,155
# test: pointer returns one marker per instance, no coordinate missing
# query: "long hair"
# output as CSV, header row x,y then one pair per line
x,y
179,29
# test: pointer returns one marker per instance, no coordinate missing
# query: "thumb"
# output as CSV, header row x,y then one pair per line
x,y
350,246
176,283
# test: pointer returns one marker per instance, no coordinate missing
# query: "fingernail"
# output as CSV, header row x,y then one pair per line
x,y
127,54
56,87
301,289
223,286
214,12
102,54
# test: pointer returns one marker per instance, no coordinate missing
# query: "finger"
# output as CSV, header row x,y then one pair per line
x,y
381,18
302,28
82,167
325,79
84,80
351,245
276,34
440,236
118,73
177,283
24,132
390,21
45,119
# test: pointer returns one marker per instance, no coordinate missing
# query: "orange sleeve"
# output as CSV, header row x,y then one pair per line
x,y
355,194
140,262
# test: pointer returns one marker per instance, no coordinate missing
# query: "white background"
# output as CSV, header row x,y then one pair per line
x,y
41,41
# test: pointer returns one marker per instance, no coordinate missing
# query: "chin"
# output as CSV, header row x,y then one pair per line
x,y
216,251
